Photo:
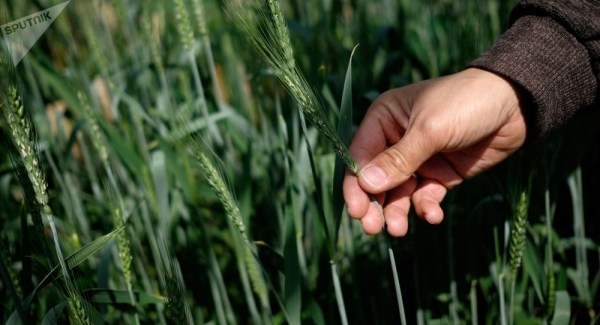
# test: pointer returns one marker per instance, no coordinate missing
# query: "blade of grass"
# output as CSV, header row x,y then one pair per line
x,y
575,187
4,273
128,156
272,287
52,317
107,296
293,278
473,298
501,298
392,263
225,312
26,244
551,294
498,276
72,261
319,192
562,313
532,265
345,134
338,294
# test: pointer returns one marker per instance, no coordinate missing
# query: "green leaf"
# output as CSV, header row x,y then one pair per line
x,y
93,314
562,312
197,125
53,316
107,296
293,277
88,250
63,88
345,121
137,108
72,139
318,189
7,282
72,261
128,155
533,266
345,134
316,313
158,167
579,282
272,288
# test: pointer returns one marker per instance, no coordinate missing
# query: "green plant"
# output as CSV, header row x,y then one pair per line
x,y
119,100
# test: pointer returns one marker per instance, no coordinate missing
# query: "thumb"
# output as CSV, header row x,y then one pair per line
x,y
396,164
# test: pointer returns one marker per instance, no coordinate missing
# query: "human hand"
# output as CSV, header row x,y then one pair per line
x,y
444,130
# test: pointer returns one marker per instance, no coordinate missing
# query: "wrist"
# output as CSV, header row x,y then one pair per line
x,y
503,100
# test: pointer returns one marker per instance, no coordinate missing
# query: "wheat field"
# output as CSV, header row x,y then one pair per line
x,y
180,162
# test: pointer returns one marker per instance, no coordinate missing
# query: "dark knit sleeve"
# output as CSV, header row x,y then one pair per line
x,y
551,53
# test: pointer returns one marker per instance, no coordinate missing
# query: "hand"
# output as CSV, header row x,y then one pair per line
x,y
443,131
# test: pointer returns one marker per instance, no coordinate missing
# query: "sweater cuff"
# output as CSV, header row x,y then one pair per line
x,y
551,68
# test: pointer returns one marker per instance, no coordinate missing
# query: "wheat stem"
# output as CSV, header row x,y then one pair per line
x,y
203,31
551,300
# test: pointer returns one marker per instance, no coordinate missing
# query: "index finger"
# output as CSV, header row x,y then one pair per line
x,y
378,128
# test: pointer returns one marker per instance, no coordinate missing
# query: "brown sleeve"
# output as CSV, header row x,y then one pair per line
x,y
552,53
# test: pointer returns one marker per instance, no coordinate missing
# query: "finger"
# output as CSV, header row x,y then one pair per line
x,y
440,169
372,223
427,199
378,128
396,164
397,207
385,122
357,200
370,139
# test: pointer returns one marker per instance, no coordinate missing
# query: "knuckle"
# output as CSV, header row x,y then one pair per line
x,y
432,127
396,160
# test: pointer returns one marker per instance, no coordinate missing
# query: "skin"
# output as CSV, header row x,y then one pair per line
x,y
417,142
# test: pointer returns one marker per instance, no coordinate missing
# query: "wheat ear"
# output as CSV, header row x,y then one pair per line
x,y
22,134
518,240
266,29
218,181
183,25
518,234
77,312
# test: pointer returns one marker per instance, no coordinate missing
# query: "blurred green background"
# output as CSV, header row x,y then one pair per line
x,y
130,58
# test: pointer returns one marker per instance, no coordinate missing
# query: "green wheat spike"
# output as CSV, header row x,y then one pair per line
x,y
519,234
77,313
551,303
183,25
266,30
258,283
96,136
211,166
218,181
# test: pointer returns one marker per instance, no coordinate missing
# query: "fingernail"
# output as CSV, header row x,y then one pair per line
x,y
374,175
